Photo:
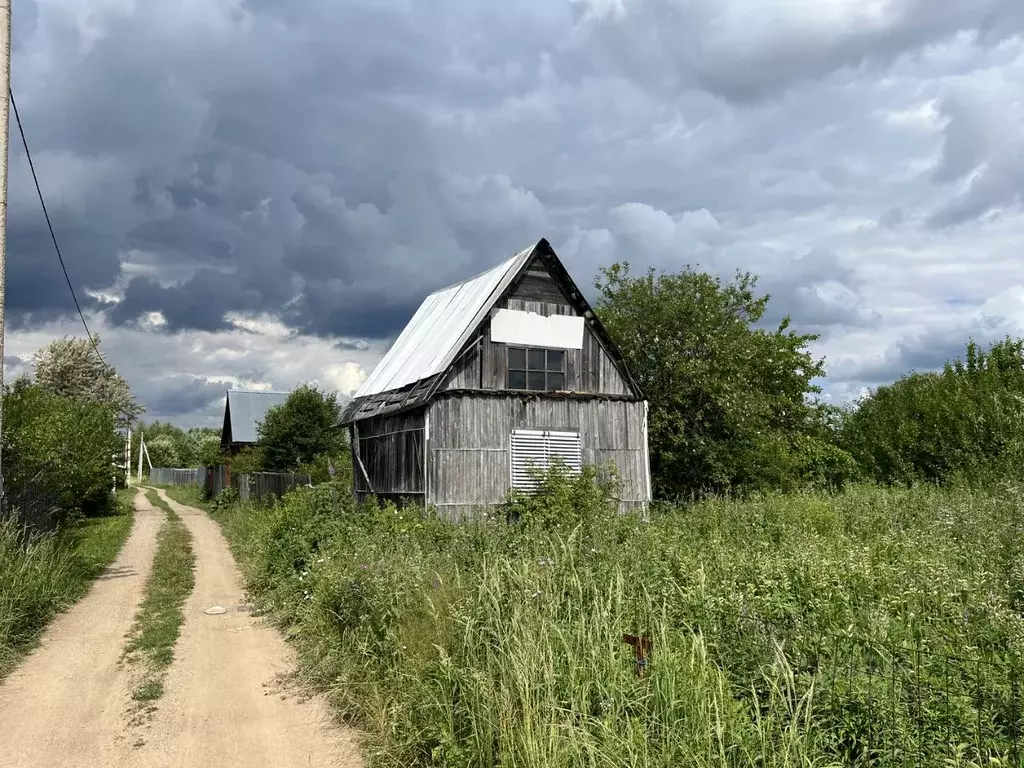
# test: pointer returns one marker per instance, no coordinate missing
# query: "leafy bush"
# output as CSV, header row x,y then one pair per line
x,y
59,444
300,430
320,468
966,423
249,459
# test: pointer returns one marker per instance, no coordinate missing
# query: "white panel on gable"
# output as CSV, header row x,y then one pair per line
x,y
529,329
537,449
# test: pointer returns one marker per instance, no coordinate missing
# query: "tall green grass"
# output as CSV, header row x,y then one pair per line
x,y
48,573
779,623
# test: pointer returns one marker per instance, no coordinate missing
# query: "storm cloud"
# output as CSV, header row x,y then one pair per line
x,y
291,178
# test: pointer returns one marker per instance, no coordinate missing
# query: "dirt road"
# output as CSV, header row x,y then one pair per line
x,y
222,705
64,705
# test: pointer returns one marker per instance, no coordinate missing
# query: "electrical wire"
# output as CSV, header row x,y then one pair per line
x,y
53,236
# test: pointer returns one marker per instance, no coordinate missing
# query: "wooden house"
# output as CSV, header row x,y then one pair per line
x,y
501,372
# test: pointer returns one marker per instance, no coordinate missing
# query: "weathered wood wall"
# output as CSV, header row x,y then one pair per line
x,y
468,461
392,452
484,363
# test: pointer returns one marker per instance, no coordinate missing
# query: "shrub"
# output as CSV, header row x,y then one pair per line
x,y
249,459
59,444
964,423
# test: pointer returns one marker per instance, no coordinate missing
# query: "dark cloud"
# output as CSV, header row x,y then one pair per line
x,y
748,51
326,164
180,395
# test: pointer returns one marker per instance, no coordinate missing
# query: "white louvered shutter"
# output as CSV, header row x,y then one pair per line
x,y
538,448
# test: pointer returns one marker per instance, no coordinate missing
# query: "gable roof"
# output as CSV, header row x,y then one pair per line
x,y
414,365
439,328
246,408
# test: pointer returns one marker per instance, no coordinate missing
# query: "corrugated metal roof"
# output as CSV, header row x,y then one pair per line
x,y
440,327
247,409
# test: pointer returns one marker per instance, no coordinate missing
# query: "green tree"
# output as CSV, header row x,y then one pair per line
x,y
203,445
730,402
208,450
966,422
71,367
60,444
301,429
171,446
163,451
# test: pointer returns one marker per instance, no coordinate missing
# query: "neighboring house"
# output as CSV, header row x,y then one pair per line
x,y
503,371
243,410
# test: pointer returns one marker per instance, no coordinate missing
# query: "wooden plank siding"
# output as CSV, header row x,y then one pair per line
x,y
392,451
483,363
468,459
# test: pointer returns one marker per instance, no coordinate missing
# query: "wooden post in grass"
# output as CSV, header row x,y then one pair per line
x,y
641,649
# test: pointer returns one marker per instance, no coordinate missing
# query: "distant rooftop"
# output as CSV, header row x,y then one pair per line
x,y
249,407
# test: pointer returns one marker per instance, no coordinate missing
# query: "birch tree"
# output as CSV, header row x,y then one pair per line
x,y
70,367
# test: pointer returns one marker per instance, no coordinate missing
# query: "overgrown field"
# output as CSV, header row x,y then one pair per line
x,y
47,574
873,627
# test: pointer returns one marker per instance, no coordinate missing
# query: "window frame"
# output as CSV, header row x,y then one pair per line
x,y
547,370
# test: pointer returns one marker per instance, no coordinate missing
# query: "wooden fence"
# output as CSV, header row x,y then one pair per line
x,y
175,476
260,486
254,486
215,480
34,508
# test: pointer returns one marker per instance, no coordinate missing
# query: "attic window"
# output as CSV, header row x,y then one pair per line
x,y
536,369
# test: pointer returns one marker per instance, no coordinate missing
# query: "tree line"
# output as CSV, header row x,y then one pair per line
x,y
736,407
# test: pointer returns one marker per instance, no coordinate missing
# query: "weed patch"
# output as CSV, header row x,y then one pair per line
x,y
787,630
150,648
49,573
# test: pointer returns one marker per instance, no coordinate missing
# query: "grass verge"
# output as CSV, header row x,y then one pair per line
x,y
151,641
51,573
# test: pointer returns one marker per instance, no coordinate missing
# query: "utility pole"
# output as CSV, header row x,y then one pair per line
x,y
5,109
142,447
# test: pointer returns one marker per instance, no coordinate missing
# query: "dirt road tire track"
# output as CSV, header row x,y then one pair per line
x,y
65,704
221,706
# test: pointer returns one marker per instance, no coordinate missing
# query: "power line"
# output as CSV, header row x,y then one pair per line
x,y
53,236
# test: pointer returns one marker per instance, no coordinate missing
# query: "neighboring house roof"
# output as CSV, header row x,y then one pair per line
x,y
412,368
440,327
246,409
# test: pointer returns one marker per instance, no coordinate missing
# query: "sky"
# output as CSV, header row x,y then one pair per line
x,y
256,193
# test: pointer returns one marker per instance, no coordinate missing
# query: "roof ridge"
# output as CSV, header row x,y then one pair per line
x,y
482,272
443,319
